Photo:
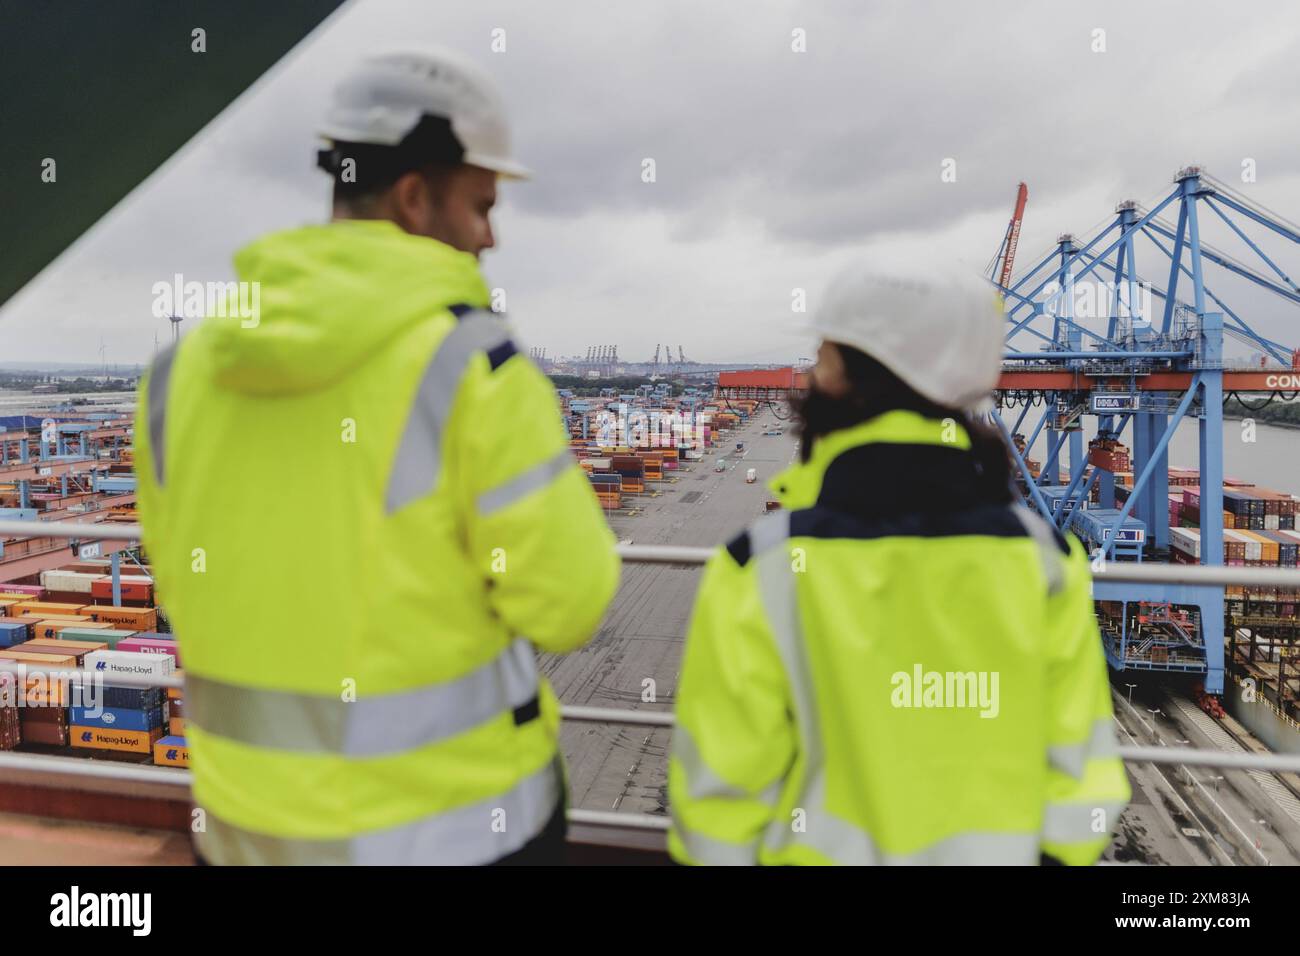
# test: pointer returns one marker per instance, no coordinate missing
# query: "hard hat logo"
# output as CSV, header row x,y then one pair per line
x,y
436,105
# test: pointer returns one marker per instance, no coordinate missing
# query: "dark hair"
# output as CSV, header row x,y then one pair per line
x,y
874,390
430,147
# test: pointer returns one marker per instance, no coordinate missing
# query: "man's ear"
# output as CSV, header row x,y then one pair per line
x,y
412,205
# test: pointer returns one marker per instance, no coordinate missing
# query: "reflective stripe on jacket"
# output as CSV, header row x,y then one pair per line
x,y
903,668
363,518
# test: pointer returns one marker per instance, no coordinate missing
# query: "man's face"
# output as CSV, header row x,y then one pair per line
x,y
453,206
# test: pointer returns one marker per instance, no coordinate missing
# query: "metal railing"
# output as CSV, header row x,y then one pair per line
x,y
63,768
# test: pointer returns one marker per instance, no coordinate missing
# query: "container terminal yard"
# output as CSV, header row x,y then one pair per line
x,y
66,606
1195,552
687,469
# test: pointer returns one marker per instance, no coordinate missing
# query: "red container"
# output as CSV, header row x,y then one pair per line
x,y
140,591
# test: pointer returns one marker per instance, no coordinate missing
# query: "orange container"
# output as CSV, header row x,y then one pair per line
x,y
48,628
134,741
40,690
51,660
77,648
45,609
135,618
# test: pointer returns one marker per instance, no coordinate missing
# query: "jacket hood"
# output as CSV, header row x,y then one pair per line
x,y
326,298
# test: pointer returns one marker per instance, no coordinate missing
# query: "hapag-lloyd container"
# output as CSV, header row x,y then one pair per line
x,y
128,664
149,645
133,741
171,751
135,618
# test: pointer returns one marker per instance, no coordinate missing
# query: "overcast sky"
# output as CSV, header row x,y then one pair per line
x,y
774,167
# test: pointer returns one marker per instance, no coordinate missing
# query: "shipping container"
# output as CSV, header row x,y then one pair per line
x,y
132,741
117,718
49,627
95,632
46,609
67,581
171,751
134,589
136,618
13,632
122,663
149,645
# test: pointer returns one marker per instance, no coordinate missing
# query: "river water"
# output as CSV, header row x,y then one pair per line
x,y
1271,460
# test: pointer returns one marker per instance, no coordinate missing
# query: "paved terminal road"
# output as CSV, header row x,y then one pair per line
x,y
1188,816
634,660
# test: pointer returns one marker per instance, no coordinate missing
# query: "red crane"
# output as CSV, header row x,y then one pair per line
x,y
1013,236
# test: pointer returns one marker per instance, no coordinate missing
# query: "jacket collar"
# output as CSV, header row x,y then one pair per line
x,y
898,461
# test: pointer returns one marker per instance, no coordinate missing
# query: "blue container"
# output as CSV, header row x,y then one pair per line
x,y
11,633
117,718
131,698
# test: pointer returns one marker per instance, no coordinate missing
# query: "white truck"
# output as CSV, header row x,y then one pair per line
x,y
751,476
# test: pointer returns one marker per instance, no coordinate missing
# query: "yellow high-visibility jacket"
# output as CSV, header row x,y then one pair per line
x,y
363,518
902,668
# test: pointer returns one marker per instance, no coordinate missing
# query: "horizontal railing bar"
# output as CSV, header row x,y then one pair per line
x,y
1212,575
1129,572
1273,763
610,715
612,818
1270,763
53,674
98,769
104,531
663,554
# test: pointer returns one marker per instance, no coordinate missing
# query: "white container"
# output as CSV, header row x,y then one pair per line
x,y
76,582
130,664
1186,540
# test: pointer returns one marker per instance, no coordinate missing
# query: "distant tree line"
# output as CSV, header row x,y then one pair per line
x,y
623,385
1275,412
25,381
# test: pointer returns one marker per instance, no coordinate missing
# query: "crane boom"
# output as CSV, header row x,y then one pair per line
x,y
1013,236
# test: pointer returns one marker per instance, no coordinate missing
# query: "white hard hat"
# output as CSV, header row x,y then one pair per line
x,y
384,98
941,334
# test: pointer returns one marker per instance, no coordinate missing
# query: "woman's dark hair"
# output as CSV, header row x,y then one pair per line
x,y
874,390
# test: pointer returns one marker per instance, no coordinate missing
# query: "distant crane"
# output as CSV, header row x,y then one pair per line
x,y
1013,237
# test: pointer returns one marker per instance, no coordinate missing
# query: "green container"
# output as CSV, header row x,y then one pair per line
x,y
91,634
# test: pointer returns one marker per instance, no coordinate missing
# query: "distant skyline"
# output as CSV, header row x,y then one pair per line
x,y
773,167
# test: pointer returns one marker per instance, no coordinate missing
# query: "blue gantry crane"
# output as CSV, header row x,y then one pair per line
x,y
1153,357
